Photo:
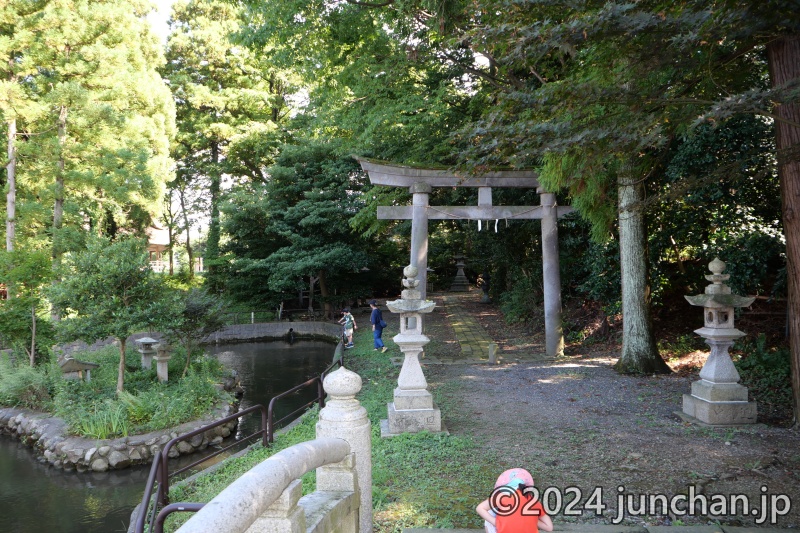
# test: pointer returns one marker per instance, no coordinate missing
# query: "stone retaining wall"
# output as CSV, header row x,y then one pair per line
x,y
275,330
235,333
48,436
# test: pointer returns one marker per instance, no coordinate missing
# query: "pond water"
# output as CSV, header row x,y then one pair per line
x,y
36,497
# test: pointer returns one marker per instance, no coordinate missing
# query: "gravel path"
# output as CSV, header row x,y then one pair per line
x,y
575,422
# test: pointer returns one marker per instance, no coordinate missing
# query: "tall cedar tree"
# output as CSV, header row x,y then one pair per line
x,y
229,102
96,152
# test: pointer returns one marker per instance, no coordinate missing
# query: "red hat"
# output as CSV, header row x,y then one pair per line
x,y
514,477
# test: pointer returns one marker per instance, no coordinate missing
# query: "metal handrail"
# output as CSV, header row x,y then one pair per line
x,y
317,380
339,361
141,518
183,507
163,482
271,409
160,468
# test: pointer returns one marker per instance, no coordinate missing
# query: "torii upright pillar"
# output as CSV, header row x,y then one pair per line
x,y
420,183
419,233
551,276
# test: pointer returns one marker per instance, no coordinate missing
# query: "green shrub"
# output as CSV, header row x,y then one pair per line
x,y
522,302
765,372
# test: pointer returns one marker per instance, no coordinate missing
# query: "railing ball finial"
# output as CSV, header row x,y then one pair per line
x,y
342,384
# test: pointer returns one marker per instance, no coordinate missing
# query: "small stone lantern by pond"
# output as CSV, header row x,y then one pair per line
x,y
412,410
162,362
717,399
147,350
74,369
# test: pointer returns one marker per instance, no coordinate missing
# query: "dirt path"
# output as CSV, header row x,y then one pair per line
x,y
575,422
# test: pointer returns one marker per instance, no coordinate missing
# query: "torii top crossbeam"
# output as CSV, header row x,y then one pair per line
x,y
405,176
419,181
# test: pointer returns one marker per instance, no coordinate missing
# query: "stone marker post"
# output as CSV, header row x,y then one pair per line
x,y
343,417
412,410
717,398
162,362
147,350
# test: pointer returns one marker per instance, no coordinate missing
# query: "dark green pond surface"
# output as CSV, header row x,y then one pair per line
x,y
37,498
264,377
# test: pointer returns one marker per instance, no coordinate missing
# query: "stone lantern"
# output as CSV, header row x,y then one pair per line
x,y
147,350
460,282
718,399
412,410
162,362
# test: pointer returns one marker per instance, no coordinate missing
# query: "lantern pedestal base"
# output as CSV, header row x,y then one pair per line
x,y
719,404
411,421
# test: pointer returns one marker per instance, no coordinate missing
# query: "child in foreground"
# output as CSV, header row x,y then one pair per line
x,y
511,509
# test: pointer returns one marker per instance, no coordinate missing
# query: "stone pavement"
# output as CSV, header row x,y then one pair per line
x,y
599,528
472,337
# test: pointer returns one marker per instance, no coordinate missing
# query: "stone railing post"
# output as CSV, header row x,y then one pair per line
x,y
284,515
343,417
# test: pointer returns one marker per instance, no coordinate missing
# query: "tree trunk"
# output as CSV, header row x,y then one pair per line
x,y
121,372
169,219
212,241
171,255
33,336
11,196
639,352
323,292
58,208
182,198
783,56
311,282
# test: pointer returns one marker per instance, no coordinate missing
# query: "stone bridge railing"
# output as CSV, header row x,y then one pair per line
x,y
268,498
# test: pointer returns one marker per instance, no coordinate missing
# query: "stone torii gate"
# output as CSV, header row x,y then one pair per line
x,y
420,182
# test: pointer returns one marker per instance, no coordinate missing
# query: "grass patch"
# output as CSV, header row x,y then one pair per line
x,y
423,480
23,386
679,346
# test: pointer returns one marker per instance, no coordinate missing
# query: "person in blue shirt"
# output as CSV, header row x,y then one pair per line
x,y
376,318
